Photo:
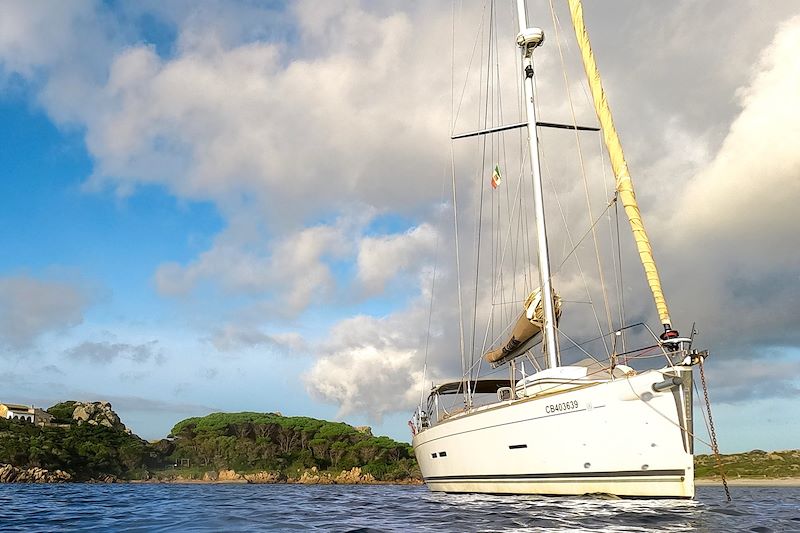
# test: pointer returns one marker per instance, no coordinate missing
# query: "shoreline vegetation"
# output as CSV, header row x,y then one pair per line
x,y
87,442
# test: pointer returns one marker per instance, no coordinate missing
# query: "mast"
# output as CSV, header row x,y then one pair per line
x,y
528,39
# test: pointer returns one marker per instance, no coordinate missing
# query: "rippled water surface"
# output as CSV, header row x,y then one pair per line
x,y
77,507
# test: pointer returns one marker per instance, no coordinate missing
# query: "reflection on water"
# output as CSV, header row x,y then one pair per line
x,y
378,508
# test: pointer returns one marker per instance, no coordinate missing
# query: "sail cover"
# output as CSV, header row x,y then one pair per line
x,y
618,164
529,324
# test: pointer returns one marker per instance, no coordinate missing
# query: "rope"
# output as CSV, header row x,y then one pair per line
x,y
714,446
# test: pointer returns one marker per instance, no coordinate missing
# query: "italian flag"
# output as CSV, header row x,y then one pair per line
x,y
496,177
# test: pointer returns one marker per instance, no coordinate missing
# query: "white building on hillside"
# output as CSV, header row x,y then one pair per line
x,y
13,411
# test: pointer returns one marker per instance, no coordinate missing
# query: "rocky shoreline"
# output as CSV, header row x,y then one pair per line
x,y
354,476
13,474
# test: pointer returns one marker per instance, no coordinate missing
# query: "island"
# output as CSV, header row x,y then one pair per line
x,y
87,441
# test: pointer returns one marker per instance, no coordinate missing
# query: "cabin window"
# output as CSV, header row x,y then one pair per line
x,y
433,455
517,446
442,454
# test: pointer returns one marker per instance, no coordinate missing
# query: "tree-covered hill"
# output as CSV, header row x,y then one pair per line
x,y
269,441
89,441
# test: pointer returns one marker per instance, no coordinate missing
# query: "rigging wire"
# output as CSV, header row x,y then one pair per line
x,y
496,93
614,238
578,346
621,283
481,188
455,114
618,279
582,166
433,288
502,141
455,212
574,247
499,246
614,232
505,244
588,231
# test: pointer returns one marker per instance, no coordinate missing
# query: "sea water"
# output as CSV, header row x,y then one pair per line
x,y
367,508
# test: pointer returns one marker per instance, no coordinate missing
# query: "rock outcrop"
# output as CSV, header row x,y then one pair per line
x,y
265,477
97,414
229,475
353,476
12,474
224,476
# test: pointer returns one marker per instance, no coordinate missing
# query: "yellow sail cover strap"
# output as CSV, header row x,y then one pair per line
x,y
618,163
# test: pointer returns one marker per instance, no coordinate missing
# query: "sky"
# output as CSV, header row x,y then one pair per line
x,y
232,206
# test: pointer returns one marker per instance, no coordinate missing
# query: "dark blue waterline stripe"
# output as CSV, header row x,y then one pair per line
x,y
561,475
515,482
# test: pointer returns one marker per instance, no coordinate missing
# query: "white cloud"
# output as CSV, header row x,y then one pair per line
x,y
105,352
371,365
381,258
298,134
291,273
367,380
70,27
295,270
30,307
736,222
233,337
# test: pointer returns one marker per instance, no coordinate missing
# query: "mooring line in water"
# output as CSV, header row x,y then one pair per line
x,y
714,446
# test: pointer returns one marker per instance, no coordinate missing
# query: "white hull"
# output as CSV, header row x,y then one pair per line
x,y
618,437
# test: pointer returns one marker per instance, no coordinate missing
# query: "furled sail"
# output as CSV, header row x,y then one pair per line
x,y
618,164
529,324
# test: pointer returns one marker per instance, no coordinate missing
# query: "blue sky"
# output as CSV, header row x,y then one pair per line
x,y
237,205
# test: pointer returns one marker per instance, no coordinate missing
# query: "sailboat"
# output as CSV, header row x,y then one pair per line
x,y
594,426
